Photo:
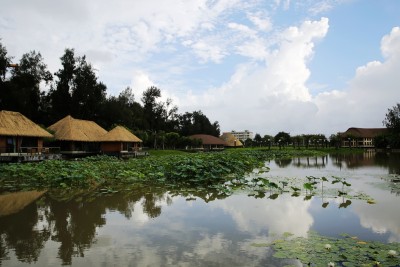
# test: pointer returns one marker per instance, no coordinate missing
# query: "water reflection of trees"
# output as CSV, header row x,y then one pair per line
x,y
282,163
18,233
72,223
310,162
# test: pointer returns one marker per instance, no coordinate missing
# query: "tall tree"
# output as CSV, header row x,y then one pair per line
x,y
197,123
5,92
122,110
392,123
151,110
282,138
158,116
392,119
88,94
4,62
24,87
258,139
61,96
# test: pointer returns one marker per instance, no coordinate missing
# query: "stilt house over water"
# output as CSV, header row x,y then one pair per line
x,y
77,137
20,138
120,142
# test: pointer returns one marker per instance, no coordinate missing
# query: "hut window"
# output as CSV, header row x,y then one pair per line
x,y
125,146
10,144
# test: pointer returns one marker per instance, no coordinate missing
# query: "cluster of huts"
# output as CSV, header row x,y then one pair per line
x,y
23,140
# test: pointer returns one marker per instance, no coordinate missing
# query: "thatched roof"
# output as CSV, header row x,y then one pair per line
x,y
120,134
70,129
16,124
208,139
230,140
365,132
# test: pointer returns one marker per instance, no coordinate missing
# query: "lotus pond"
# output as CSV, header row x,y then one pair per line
x,y
244,208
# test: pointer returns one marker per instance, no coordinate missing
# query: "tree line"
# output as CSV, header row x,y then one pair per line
x,y
284,139
388,139
76,90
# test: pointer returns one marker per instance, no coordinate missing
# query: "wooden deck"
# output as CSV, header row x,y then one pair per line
x,y
31,154
133,154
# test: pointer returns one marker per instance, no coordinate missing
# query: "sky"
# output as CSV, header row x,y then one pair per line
x,y
302,67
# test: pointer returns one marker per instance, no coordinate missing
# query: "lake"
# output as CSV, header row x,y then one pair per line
x,y
151,226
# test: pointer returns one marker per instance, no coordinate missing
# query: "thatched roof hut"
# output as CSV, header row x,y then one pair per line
x,y
208,139
120,134
231,140
70,129
16,124
119,140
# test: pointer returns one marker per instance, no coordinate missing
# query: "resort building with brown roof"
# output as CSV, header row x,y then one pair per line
x,y
209,142
360,137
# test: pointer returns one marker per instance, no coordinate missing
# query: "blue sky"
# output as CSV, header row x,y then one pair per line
x,y
311,66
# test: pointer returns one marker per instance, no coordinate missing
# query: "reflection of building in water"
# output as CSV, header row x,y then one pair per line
x,y
15,202
19,233
368,158
311,162
354,160
69,224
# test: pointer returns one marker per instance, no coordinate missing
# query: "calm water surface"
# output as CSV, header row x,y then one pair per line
x,y
152,227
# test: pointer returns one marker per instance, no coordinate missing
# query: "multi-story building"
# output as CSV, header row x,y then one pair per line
x,y
243,136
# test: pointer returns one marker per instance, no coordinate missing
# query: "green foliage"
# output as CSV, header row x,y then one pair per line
x,y
4,62
392,119
200,169
317,250
197,123
77,92
221,173
282,138
21,91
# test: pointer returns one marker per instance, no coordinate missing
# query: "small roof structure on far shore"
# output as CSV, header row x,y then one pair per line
x,y
231,140
120,134
208,139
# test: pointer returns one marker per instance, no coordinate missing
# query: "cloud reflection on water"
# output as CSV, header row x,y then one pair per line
x,y
286,214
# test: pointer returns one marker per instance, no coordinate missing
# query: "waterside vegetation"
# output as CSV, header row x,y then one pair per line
x,y
193,175
193,169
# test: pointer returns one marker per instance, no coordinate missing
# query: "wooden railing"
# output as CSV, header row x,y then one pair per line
x,y
7,151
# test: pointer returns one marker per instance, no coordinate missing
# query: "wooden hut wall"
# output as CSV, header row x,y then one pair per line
x,y
3,144
111,147
40,143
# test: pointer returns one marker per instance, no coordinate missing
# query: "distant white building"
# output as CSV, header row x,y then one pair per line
x,y
243,136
